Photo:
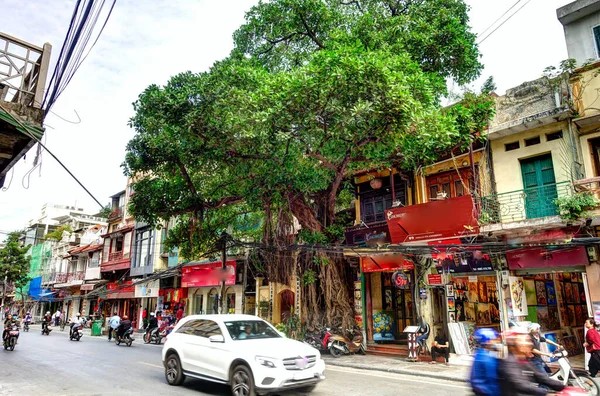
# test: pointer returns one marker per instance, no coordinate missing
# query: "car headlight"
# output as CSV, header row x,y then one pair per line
x,y
265,361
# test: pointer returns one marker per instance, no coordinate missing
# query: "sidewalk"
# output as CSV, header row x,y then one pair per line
x,y
458,370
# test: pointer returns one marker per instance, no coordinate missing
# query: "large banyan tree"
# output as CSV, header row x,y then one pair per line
x,y
313,91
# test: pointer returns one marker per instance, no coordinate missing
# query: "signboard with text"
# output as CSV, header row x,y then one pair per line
x,y
208,274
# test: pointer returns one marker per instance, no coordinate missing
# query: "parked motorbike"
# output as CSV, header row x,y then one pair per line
x,y
127,338
572,377
46,328
319,341
76,332
11,339
341,345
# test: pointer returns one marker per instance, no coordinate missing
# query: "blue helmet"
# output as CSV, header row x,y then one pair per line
x,y
484,335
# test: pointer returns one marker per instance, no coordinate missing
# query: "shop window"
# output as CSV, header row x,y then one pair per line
x,y
230,300
143,248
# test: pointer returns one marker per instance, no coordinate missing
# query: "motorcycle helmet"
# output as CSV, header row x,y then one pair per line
x,y
534,327
152,314
27,313
48,313
484,335
78,314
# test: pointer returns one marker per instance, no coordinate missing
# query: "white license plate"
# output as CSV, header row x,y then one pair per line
x,y
14,333
302,375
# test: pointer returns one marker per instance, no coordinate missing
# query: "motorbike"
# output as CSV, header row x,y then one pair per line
x,y
11,339
572,377
127,338
46,328
26,326
156,335
341,345
76,332
319,341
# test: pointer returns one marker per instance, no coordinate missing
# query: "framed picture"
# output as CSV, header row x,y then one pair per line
x,y
572,315
473,293
483,314
559,276
540,290
459,307
542,318
574,277
553,319
517,295
550,293
530,291
579,315
576,295
569,293
450,290
579,277
452,317
469,311
483,294
451,305
564,316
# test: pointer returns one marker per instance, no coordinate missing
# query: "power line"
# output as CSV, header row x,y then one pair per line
x,y
506,20
25,128
499,18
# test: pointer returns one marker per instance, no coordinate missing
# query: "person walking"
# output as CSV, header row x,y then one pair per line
x,y
592,345
113,324
56,317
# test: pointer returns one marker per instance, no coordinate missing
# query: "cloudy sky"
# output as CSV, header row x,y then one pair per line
x,y
146,42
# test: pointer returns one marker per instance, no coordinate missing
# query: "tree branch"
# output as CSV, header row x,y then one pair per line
x,y
187,178
324,161
309,31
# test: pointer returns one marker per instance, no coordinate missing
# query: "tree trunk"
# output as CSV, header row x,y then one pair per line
x,y
304,213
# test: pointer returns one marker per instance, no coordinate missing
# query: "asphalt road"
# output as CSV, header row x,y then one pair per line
x,y
53,365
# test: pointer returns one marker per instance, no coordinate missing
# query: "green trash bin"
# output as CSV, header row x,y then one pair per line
x,y
97,328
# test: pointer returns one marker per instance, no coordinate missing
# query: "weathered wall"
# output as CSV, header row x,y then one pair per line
x,y
579,36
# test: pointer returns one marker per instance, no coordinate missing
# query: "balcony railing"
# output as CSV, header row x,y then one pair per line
x,y
115,214
526,204
115,256
23,71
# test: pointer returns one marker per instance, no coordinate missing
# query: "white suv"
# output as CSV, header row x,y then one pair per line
x,y
243,351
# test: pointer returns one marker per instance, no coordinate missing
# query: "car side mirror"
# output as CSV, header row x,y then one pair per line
x,y
216,338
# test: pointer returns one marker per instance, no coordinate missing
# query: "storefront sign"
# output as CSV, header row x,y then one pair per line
x,y
208,274
149,289
358,307
434,279
385,262
372,236
87,287
470,261
537,257
400,280
115,290
423,293
443,219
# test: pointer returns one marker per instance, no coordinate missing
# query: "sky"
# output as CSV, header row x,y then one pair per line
x,y
147,42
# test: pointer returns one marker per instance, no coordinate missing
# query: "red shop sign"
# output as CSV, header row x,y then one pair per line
x,y
125,287
208,274
383,263
434,279
443,219
537,257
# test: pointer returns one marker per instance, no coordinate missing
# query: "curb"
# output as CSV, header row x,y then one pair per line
x,y
397,371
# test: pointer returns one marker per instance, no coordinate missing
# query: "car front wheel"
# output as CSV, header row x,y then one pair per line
x,y
242,383
173,370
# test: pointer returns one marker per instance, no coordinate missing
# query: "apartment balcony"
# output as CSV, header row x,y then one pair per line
x,y
116,261
527,208
115,214
69,279
23,72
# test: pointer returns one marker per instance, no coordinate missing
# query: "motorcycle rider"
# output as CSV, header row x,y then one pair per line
x,y
484,373
123,327
8,323
27,319
76,320
152,324
536,339
46,320
516,374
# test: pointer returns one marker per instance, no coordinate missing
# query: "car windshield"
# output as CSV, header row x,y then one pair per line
x,y
250,330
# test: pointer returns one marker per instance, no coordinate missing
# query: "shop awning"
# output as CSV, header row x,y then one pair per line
x,y
385,263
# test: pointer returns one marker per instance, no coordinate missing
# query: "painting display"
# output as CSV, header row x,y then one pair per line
x,y
517,296
576,295
470,311
483,294
483,314
569,293
459,307
553,318
540,291
473,292
550,293
450,304
542,318
572,316
530,292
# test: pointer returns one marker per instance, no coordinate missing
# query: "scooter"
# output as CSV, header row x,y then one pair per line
x,y
11,339
319,341
341,345
26,326
572,377
76,332
157,335
46,328
127,338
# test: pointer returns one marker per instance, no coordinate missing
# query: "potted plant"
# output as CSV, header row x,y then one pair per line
x,y
574,207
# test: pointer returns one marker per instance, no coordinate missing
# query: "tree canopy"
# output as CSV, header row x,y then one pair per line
x,y
14,263
314,91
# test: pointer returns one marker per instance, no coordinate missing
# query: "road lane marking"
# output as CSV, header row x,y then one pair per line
x,y
370,373
151,365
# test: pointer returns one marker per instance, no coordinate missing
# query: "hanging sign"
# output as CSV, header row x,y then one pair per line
x,y
400,280
423,293
434,279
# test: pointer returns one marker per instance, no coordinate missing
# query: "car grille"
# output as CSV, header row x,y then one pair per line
x,y
299,362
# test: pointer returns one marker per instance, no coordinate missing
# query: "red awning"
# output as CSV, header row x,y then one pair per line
x,y
538,257
436,220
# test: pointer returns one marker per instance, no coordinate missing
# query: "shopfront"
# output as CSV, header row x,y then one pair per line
x,y
549,287
389,292
120,298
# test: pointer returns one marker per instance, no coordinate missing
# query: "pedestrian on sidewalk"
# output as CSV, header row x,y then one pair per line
x,y
56,317
441,346
179,313
484,373
113,323
592,345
